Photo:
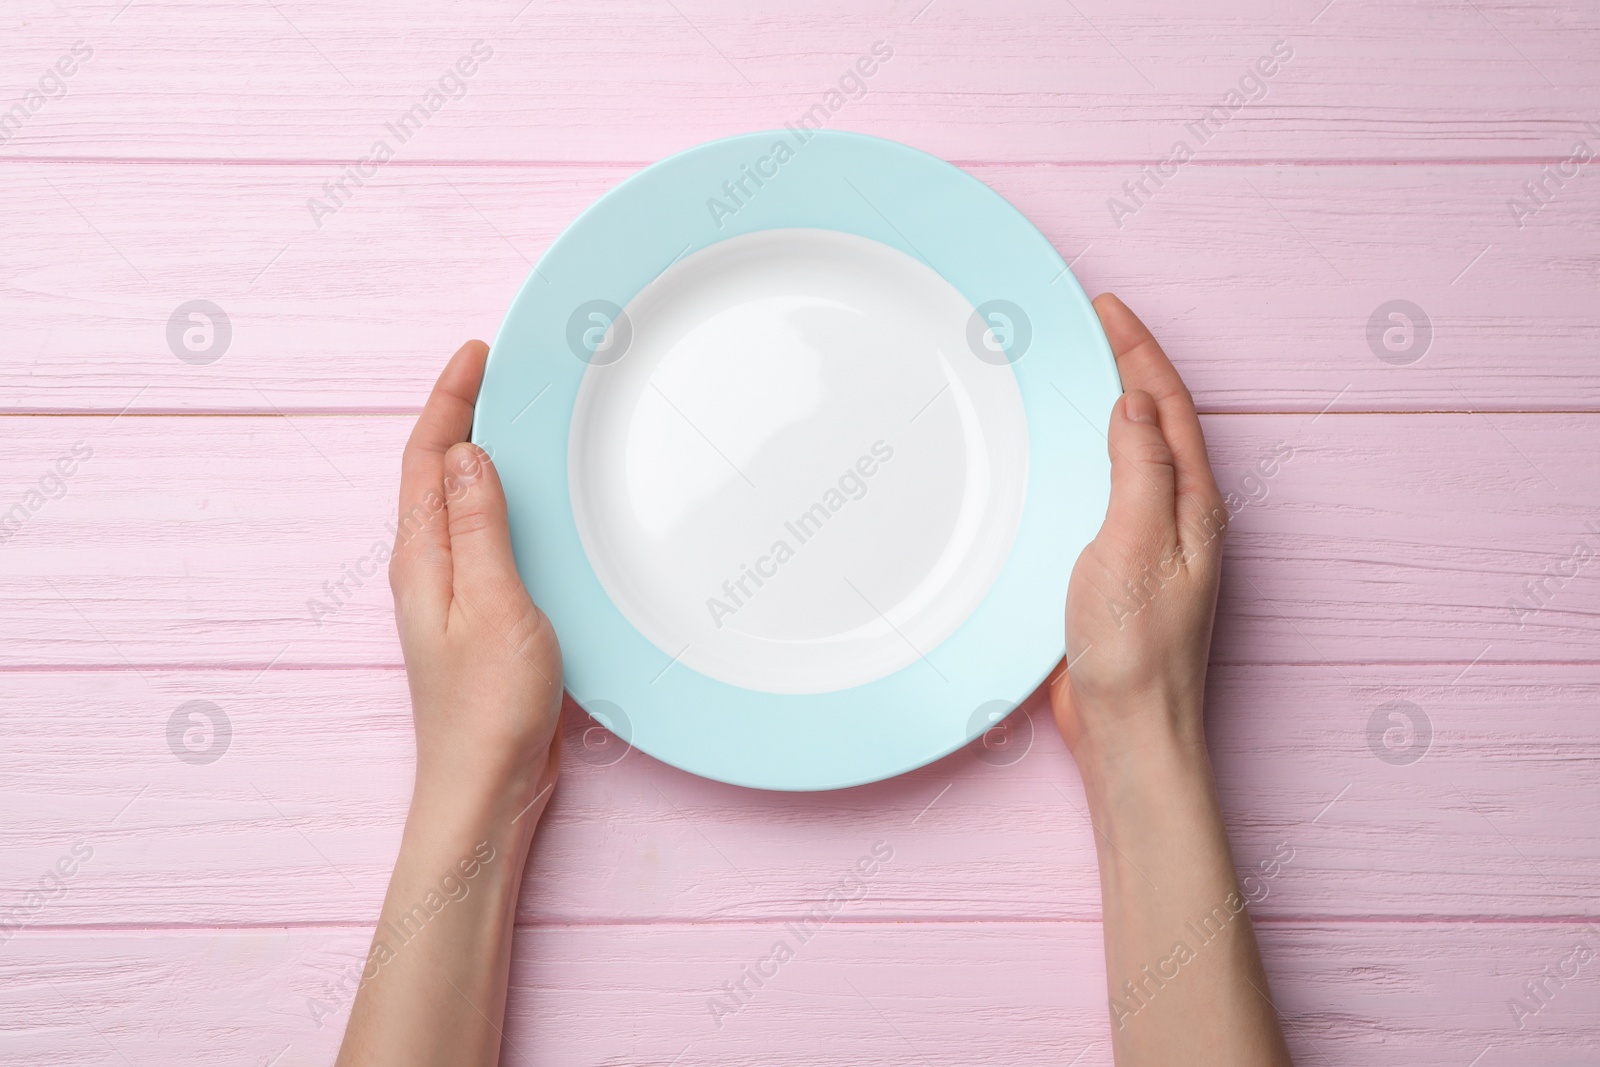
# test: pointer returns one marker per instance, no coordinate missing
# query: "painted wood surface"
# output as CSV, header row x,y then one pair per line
x,y
353,311
1481,811
1362,995
1404,676
1028,80
1382,539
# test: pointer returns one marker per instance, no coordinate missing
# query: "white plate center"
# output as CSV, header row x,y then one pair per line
x,y
798,477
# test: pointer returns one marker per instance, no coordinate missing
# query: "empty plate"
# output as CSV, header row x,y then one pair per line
x,y
801,440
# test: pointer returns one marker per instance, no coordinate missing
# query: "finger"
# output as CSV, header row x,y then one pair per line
x,y
480,535
446,418
1143,365
1143,476
421,569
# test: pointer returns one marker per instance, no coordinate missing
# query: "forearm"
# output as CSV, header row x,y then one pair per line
x,y
1183,972
433,987
484,671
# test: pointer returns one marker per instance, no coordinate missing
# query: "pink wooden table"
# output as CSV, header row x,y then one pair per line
x,y
1427,542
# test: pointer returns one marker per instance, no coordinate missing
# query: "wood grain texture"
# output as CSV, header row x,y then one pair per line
x,y
298,821
634,81
356,314
1385,538
1414,995
1419,546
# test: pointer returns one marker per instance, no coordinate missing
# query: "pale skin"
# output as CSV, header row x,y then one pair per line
x,y
1130,709
485,676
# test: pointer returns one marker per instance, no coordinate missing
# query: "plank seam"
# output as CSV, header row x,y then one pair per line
x,y
639,164
279,667
398,412
779,918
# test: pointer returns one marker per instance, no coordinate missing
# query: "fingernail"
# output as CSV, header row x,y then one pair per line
x,y
1139,406
467,464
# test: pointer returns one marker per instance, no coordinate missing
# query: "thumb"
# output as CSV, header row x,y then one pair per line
x,y
480,535
1143,475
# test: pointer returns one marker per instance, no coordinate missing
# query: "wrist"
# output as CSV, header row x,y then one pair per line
x,y
1153,744
481,801
1153,802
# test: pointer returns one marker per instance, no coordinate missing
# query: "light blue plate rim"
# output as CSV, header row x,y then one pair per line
x,y
925,208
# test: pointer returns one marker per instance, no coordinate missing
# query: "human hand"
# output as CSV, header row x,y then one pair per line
x,y
1129,704
481,659
1143,593
485,675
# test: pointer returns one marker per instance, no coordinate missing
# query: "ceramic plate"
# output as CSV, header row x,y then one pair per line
x,y
801,434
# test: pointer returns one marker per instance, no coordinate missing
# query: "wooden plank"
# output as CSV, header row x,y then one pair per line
x,y
1262,280
1026,80
203,541
1395,558
1367,994
297,820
